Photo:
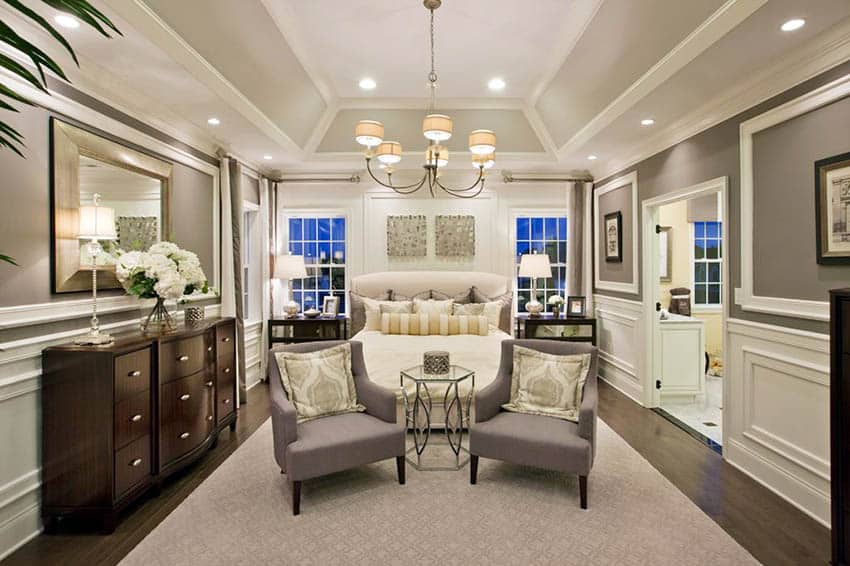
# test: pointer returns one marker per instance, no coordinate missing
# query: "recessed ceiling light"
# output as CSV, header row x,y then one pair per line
x,y
791,25
267,157
496,83
66,21
647,122
213,121
591,157
367,83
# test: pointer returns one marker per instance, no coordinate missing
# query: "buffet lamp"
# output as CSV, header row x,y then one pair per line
x,y
96,223
534,266
286,268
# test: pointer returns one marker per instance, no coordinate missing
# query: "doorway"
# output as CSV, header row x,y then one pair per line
x,y
686,294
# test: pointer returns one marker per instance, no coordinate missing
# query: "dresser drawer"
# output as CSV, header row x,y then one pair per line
x,y
132,465
186,415
225,388
181,358
132,419
132,374
225,340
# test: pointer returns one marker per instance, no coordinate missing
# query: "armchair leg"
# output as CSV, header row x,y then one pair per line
x,y
582,488
400,466
296,498
473,469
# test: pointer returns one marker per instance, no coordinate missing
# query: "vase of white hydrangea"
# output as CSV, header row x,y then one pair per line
x,y
164,272
556,302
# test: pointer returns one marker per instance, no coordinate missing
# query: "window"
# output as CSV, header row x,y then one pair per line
x,y
708,254
321,240
545,235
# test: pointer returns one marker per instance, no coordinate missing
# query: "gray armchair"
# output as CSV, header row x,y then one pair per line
x,y
531,440
331,444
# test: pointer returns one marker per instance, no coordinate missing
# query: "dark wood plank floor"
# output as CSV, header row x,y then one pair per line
x,y
772,530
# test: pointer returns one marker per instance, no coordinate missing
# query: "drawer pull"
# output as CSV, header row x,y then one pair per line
x,y
185,397
226,339
136,463
226,401
135,418
184,436
209,384
134,373
209,348
226,370
183,358
209,417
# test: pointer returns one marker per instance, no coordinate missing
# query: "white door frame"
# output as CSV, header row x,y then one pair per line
x,y
652,290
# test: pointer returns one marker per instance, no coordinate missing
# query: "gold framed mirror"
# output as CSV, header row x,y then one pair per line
x,y
134,184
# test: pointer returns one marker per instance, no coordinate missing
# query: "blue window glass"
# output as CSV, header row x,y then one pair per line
x,y
338,250
699,229
310,229
324,229
296,248
338,229
295,229
708,278
712,229
324,252
562,228
321,240
551,228
523,229
544,235
311,252
521,248
536,228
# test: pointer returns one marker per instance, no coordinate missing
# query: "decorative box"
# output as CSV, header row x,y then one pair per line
x,y
194,315
435,363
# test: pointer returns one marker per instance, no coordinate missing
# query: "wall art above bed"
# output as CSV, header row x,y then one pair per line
x,y
455,235
407,235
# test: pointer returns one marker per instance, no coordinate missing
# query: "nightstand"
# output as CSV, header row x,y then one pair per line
x,y
292,330
547,327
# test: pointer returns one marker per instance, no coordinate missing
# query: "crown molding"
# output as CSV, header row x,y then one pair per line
x,y
422,103
721,22
822,53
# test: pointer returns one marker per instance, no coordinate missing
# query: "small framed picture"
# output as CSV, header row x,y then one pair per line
x,y
614,237
330,306
575,306
832,209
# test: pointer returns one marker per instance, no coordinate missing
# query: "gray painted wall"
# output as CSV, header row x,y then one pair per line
x,y
250,189
25,214
618,199
715,153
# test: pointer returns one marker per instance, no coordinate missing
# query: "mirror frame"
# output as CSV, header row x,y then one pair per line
x,y
67,143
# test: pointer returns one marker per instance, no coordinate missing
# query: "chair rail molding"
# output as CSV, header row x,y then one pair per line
x,y
745,296
632,288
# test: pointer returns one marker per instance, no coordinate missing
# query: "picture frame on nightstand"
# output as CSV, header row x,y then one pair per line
x,y
330,306
576,306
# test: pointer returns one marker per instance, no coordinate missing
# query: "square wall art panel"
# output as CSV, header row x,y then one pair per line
x,y
407,236
455,235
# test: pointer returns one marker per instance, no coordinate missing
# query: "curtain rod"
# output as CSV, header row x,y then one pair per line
x,y
508,177
353,178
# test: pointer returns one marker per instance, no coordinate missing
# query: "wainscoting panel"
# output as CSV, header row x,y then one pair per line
x,y
777,411
254,354
621,357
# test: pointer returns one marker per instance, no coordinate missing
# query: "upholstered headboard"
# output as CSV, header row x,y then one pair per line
x,y
411,282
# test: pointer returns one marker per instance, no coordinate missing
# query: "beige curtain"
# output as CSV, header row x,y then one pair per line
x,y
236,213
575,238
265,244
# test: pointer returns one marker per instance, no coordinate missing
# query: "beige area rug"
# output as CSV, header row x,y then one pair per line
x,y
515,515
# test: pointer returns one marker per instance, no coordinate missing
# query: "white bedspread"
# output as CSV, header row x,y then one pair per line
x,y
387,354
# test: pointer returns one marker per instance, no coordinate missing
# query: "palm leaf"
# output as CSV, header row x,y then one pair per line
x,y
6,91
8,259
85,12
36,17
39,58
10,64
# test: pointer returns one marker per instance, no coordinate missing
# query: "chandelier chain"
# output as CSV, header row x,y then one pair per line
x,y
432,76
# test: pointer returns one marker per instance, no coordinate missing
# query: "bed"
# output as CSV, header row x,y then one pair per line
x,y
387,354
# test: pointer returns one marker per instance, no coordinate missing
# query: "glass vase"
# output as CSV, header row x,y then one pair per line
x,y
155,318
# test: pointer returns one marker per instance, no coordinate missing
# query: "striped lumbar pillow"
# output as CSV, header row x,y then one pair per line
x,y
425,324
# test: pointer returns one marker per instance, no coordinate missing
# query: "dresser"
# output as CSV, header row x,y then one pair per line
x,y
118,419
839,393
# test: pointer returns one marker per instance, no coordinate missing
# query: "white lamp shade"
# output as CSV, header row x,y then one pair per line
x,y
437,127
487,161
369,133
437,153
389,153
289,267
535,265
482,142
97,223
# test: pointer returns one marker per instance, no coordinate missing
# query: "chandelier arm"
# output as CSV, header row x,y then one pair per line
x,y
413,190
469,188
460,195
418,184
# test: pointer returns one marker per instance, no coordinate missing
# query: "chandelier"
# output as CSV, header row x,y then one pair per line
x,y
437,128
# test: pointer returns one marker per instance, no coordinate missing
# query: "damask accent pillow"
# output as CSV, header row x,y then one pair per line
x,y
492,310
461,298
547,384
426,294
505,300
358,310
319,383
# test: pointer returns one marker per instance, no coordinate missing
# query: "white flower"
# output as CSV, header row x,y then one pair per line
x,y
164,248
164,267
556,300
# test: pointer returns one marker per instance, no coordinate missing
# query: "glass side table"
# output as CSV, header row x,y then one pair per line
x,y
419,411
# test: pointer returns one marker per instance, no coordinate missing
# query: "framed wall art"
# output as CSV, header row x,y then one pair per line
x,y
614,237
832,209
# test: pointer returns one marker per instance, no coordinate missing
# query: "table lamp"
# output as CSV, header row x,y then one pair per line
x,y
287,268
96,223
534,266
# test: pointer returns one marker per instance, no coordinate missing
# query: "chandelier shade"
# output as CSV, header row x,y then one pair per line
x,y
369,133
389,152
482,142
437,127
437,155
486,161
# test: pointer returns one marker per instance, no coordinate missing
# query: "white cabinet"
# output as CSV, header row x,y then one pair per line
x,y
682,358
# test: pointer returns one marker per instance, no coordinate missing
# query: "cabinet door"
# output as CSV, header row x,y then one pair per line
x,y
186,416
682,360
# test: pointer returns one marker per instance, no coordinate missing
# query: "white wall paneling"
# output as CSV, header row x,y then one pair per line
x,y
777,428
254,353
630,179
621,346
745,295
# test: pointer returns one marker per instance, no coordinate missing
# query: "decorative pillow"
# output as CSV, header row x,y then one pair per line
x,y
547,384
505,300
423,324
461,298
420,295
433,309
491,310
319,383
396,306
358,310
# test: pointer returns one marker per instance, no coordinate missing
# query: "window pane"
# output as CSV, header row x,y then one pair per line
x,y
562,252
699,249
341,303
562,228
561,279
296,248
700,296
310,252
537,247
321,303
324,279
552,251
712,251
338,229
324,252
309,228
714,273
338,252
324,229
714,294
296,296
523,283
523,229
712,229
699,272
295,229
522,298
309,300
699,229
521,248
338,278
297,283
536,228
551,228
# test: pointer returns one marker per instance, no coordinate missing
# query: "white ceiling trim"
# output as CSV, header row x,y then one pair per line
x,y
587,12
540,130
147,22
321,128
819,55
724,20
